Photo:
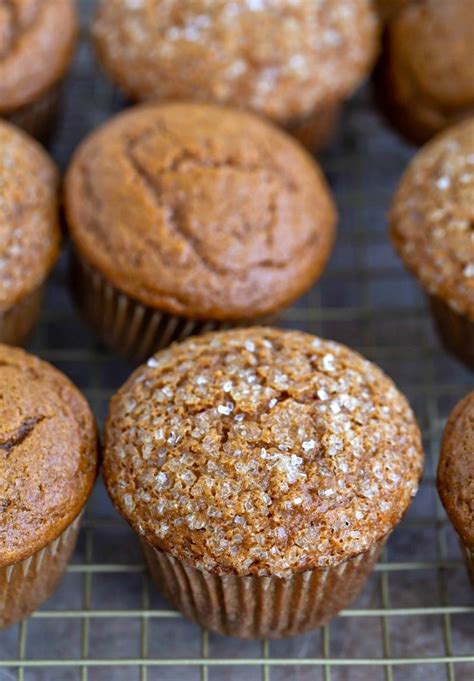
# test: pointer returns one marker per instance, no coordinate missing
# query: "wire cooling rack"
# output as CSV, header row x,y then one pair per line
x,y
414,620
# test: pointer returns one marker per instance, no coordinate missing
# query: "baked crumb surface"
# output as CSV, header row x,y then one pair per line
x,y
432,218
48,454
261,451
283,58
201,211
29,215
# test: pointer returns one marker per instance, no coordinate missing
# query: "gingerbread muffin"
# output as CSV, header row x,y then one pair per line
x,y
37,40
456,475
432,226
425,79
263,471
29,230
48,451
295,62
187,217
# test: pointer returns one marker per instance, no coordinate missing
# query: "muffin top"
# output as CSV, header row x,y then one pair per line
x,y
48,454
430,57
456,469
37,39
200,210
432,217
29,222
261,451
282,58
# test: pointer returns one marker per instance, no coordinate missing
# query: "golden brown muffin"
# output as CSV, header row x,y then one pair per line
x,y
29,230
456,475
48,448
185,215
264,469
37,40
432,221
295,62
425,79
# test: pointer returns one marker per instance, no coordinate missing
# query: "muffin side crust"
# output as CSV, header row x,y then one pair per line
x,y
48,454
29,215
432,218
456,469
200,211
37,39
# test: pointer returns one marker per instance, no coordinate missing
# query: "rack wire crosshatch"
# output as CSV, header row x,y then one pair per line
x,y
414,620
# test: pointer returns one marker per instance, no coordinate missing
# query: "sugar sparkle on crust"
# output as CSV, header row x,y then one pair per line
x,y
29,222
279,57
432,218
312,480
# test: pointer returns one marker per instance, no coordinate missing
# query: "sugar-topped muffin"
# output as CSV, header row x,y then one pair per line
x,y
432,221
266,454
294,61
187,217
29,230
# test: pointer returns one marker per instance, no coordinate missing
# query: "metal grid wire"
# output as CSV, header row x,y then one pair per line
x,y
415,618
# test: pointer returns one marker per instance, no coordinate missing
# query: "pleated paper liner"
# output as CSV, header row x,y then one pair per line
x,y
39,118
455,329
131,329
26,585
469,558
17,322
260,607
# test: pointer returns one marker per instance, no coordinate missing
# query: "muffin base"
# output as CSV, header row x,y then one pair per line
x,y
315,130
25,585
128,327
17,322
38,118
469,558
260,607
456,331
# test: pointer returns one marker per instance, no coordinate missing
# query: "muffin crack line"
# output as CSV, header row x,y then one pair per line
x,y
21,434
174,213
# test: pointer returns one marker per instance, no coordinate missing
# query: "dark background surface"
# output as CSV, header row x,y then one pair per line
x,y
418,603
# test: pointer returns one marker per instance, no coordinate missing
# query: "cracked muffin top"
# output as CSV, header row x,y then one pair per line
x,y
456,469
432,217
37,39
200,210
261,451
48,454
29,215
282,58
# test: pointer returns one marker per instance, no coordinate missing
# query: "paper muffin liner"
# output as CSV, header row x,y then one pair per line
x,y
17,322
39,117
26,585
128,327
469,558
456,331
315,130
260,607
